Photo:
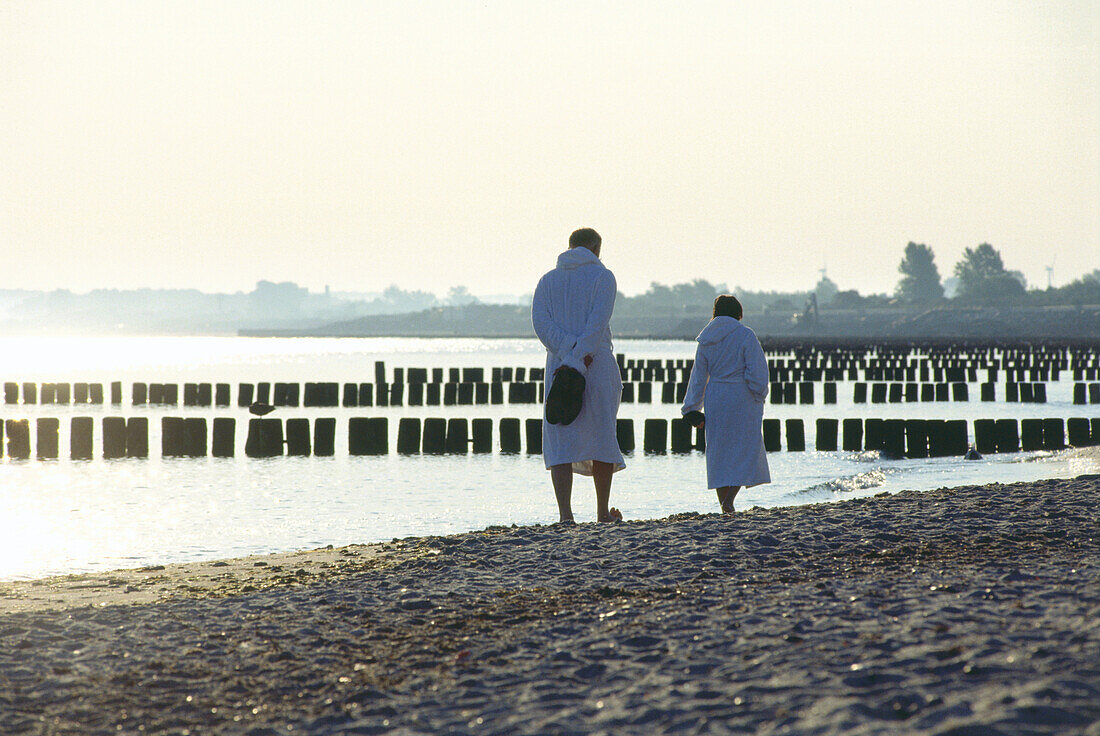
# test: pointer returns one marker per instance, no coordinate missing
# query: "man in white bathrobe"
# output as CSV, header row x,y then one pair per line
x,y
571,311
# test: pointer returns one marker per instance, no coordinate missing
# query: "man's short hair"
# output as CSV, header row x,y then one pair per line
x,y
727,305
586,237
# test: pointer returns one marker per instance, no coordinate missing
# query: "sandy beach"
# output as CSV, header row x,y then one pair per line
x,y
971,610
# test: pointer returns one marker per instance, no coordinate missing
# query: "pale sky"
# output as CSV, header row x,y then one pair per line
x,y
432,144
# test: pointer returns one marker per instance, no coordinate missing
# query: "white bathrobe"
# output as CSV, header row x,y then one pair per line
x,y
730,379
571,310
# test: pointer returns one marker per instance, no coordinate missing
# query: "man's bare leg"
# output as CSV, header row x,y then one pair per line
x,y
562,478
601,478
725,497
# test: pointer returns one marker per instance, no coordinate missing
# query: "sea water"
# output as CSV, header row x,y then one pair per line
x,y
63,516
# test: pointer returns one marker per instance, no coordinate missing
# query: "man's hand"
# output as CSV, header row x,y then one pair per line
x,y
587,361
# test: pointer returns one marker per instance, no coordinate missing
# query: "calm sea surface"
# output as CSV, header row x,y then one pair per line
x,y
66,516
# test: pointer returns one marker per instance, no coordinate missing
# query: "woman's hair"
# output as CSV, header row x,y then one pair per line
x,y
727,305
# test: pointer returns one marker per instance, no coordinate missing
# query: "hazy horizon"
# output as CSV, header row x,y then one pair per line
x,y
208,145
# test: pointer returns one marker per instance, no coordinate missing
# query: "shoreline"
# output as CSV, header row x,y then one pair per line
x,y
921,612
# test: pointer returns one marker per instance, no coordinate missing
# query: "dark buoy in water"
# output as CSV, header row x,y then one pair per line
x,y
260,408
972,454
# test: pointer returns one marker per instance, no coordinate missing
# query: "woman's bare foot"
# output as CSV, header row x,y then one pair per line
x,y
613,514
726,494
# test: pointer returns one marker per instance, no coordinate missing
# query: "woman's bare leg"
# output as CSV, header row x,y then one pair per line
x,y
725,497
601,478
562,478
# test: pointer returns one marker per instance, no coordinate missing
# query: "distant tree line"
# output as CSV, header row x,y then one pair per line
x,y
982,279
979,278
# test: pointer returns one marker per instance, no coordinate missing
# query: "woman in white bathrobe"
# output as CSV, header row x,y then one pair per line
x,y
571,310
729,382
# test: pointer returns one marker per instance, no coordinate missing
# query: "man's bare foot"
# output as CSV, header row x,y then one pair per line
x,y
613,514
727,509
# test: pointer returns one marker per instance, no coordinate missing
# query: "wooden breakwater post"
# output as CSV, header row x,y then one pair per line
x,y
434,436
481,439
1054,434
772,431
533,430
324,437
11,392
289,394
183,437
265,438
298,437
368,436
680,435
80,438
137,437
323,395
457,439
1007,435
916,438
893,435
508,431
1078,432
624,434
853,434
125,437
47,431
655,436
796,435
985,436
825,439
223,438
948,438
408,436
19,438
1031,434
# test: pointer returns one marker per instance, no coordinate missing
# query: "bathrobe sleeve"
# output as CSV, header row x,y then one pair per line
x,y
555,339
756,370
599,316
697,383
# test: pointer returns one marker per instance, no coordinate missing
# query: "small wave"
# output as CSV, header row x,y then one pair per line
x,y
866,456
858,482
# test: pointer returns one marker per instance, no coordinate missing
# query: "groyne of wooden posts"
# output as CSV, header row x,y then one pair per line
x,y
888,375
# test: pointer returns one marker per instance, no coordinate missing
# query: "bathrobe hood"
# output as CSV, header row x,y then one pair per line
x,y
576,257
718,329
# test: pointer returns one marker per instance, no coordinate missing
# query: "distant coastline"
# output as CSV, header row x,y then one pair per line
x,y
944,324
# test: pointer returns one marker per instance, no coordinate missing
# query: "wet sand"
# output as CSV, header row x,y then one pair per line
x,y
972,610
